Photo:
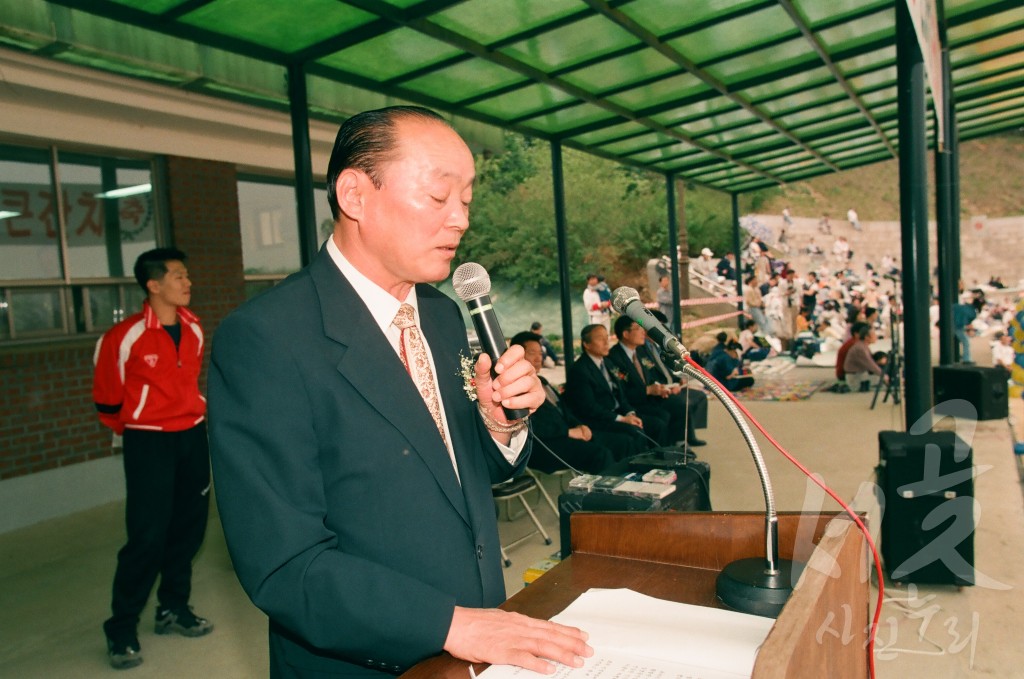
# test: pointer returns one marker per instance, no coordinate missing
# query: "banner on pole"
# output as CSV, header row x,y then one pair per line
x,y
926,26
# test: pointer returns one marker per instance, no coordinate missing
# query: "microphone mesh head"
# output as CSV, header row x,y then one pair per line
x,y
470,281
623,296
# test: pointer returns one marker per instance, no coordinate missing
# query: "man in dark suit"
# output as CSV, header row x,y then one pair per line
x,y
353,473
684,401
596,396
645,394
564,440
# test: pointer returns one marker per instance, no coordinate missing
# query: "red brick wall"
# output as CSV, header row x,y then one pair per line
x,y
49,420
203,198
46,399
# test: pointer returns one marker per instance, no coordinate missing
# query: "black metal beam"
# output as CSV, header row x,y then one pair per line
x,y
673,247
558,191
823,54
155,22
304,202
913,221
738,256
946,247
184,8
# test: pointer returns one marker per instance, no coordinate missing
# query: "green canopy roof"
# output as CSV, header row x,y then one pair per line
x,y
733,94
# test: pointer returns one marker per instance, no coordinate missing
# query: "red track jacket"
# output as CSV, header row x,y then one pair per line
x,y
142,382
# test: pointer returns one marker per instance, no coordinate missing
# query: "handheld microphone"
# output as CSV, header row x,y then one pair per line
x,y
473,286
627,302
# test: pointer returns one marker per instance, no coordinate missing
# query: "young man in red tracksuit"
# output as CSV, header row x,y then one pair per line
x,y
146,388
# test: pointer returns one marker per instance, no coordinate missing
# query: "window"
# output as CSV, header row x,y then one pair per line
x,y
28,228
71,226
110,216
271,248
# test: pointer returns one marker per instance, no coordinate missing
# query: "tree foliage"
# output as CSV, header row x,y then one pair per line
x,y
616,216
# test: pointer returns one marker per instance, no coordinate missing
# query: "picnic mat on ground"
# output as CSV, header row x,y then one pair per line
x,y
782,391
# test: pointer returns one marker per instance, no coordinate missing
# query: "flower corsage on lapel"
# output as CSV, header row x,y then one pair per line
x,y
467,370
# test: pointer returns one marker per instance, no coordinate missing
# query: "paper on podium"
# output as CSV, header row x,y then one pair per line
x,y
637,636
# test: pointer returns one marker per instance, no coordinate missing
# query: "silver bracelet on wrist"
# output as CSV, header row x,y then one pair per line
x,y
497,427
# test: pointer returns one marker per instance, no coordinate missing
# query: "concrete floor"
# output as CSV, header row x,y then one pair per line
x,y
55,576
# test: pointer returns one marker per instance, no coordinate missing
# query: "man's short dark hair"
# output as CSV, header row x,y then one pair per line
x,y
622,325
521,338
722,337
152,265
535,326
862,331
366,141
587,332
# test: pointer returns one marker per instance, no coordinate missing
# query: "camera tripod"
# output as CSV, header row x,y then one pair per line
x,y
894,366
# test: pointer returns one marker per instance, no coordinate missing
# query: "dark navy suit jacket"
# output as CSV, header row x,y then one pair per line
x,y
341,508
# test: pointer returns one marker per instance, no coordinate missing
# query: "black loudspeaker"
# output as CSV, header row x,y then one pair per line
x,y
927,481
983,388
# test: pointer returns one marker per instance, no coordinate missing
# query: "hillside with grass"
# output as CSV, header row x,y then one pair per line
x,y
991,184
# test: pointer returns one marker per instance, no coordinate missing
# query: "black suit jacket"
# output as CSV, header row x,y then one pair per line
x,y
693,400
588,396
552,420
635,388
341,508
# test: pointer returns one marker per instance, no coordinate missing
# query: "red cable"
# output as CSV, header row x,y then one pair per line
x,y
860,524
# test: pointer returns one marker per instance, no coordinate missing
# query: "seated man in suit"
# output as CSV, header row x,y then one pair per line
x,y
547,350
683,398
596,396
565,441
646,395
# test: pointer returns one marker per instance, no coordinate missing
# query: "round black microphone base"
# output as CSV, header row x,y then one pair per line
x,y
747,587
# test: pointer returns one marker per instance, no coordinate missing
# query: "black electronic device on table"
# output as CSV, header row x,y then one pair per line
x,y
664,457
691,494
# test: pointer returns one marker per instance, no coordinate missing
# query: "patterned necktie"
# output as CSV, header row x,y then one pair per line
x,y
414,357
639,368
611,385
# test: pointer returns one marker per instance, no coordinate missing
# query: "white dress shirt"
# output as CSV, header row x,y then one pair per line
x,y
383,307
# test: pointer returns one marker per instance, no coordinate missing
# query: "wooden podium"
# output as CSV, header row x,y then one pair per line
x,y
821,632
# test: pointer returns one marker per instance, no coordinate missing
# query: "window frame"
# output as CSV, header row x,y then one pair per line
x,y
73,292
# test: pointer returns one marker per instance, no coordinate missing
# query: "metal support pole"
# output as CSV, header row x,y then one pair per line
x,y
673,248
308,237
954,235
737,256
910,103
558,182
948,248
111,219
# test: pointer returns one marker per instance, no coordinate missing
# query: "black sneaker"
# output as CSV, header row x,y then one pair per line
x,y
124,654
183,621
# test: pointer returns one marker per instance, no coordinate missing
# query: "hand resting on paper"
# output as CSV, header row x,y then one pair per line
x,y
499,637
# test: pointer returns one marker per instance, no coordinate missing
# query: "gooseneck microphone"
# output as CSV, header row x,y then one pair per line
x,y
755,585
627,302
473,286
